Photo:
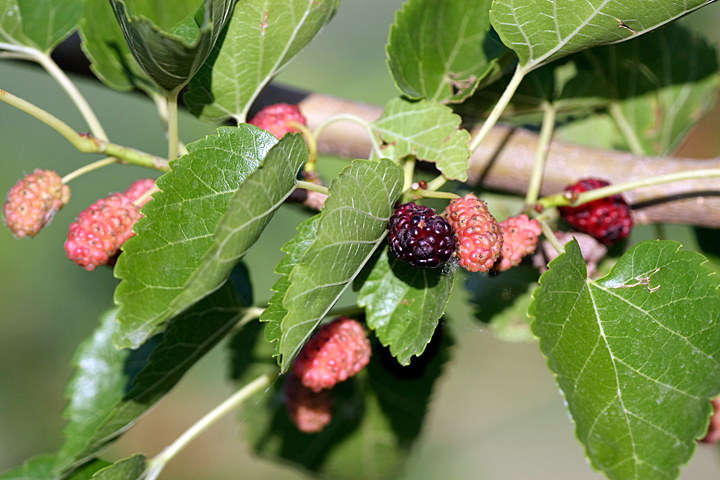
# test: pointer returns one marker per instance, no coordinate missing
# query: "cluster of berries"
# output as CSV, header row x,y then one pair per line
x,y
468,231
97,234
338,351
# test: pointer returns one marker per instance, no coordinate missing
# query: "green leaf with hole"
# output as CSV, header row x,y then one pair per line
x,y
261,38
112,388
442,49
636,354
540,32
179,228
295,249
104,45
130,468
426,129
48,22
379,412
352,225
403,304
171,56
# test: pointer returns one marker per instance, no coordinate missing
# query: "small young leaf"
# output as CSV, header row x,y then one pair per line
x,y
48,22
171,58
540,32
379,412
130,468
353,223
261,38
403,304
442,49
179,227
428,130
109,392
636,354
104,45
295,249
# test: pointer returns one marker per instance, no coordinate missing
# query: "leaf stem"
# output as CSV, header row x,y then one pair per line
x,y
541,153
88,168
171,99
550,235
626,129
435,194
83,143
65,83
498,109
351,118
311,143
409,169
565,199
157,464
436,183
312,186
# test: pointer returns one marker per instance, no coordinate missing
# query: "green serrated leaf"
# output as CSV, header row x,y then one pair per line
x,y
104,45
11,25
403,304
109,392
295,249
48,22
179,228
636,354
261,38
353,223
130,468
540,32
171,58
40,467
662,84
441,49
428,130
380,412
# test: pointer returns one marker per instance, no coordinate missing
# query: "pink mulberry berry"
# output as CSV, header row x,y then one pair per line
x,y
479,240
275,118
310,411
99,232
33,202
335,353
139,188
520,238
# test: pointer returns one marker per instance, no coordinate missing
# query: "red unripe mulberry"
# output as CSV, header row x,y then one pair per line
x,y
479,240
33,202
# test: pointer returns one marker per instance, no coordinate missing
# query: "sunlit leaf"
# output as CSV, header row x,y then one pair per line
x,y
48,22
428,130
261,38
295,248
179,228
353,223
441,49
403,304
539,32
636,354
130,468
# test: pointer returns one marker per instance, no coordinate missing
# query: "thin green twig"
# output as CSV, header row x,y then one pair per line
x,y
351,118
541,153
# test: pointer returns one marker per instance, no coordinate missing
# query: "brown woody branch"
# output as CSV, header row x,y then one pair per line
x,y
506,158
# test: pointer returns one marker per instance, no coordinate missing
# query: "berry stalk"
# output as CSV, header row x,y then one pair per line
x,y
157,464
565,199
83,143
541,153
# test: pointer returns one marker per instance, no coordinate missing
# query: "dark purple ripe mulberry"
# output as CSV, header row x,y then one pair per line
x,y
420,237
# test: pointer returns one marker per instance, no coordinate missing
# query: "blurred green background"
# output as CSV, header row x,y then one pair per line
x,y
496,415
